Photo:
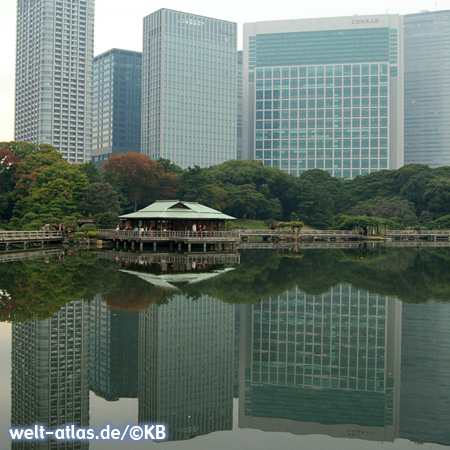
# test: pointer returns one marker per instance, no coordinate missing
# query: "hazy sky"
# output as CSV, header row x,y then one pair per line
x,y
118,24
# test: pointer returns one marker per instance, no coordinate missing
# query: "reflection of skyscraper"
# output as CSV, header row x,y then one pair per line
x,y
321,364
113,351
425,381
186,366
50,372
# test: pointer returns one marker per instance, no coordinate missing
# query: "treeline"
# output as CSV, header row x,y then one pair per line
x,y
37,186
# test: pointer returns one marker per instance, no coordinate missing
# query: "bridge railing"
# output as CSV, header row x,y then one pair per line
x,y
10,236
168,235
245,232
418,232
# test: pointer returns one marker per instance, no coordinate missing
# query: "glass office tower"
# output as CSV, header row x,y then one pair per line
x,y
54,56
116,104
427,88
324,94
189,89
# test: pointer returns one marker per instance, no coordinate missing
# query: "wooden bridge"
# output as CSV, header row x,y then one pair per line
x,y
24,238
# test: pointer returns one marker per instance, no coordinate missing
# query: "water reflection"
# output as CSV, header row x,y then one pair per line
x,y
322,364
425,368
113,349
311,355
186,366
50,373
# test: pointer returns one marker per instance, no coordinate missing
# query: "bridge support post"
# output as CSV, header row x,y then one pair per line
x,y
132,245
141,246
154,246
189,247
179,246
124,245
117,245
204,246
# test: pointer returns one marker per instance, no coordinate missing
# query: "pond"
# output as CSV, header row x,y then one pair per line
x,y
314,348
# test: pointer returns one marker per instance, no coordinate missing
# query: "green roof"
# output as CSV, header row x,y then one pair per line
x,y
177,210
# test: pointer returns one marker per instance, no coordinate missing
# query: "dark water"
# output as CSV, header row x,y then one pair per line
x,y
315,349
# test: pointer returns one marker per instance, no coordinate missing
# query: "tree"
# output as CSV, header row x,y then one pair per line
x,y
57,189
100,198
142,180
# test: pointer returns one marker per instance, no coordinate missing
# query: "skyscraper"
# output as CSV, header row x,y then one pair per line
x,y
189,89
54,55
325,94
239,106
116,104
427,88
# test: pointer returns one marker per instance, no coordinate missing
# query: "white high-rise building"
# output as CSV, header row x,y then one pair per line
x,y
54,58
324,94
189,89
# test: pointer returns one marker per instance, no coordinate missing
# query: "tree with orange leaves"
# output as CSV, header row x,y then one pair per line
x,y
141,179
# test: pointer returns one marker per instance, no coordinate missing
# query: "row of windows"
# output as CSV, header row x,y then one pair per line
x,y
320,71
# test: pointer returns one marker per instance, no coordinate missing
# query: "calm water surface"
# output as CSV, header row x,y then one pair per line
x,y
313,349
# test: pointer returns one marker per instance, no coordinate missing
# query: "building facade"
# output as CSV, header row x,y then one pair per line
x,y
324,94
189,89
427,88
239,106
116,104
54,56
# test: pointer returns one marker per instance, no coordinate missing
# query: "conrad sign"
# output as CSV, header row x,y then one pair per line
x,y
365,21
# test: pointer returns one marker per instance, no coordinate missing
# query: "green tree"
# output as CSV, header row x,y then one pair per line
x,y
100,198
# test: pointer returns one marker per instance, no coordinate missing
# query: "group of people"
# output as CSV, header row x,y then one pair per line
x,y
200,231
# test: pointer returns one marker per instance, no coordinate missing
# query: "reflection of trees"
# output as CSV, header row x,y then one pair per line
x,y
39,288
130,293
414,275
